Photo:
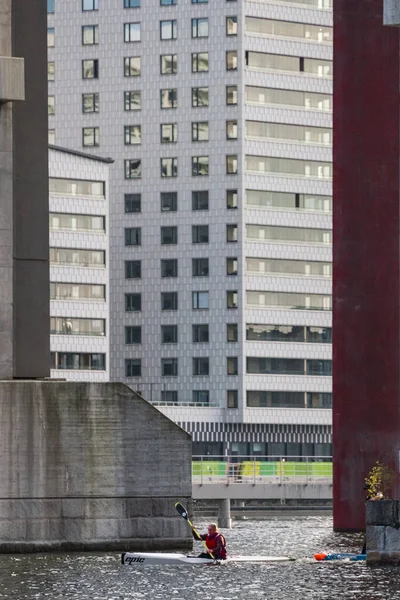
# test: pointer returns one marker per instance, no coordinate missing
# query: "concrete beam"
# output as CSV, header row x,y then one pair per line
x,y
12,82
262,491
391,12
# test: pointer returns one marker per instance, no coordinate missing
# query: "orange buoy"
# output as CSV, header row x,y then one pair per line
x,y
320,556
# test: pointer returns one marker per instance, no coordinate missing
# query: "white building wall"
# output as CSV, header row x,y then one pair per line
x,y
68,122
64,165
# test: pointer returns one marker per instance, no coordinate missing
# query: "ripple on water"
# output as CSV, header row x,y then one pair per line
x,y
102,577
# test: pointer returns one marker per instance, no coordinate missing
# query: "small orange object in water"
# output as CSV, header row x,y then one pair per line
x,y
320,556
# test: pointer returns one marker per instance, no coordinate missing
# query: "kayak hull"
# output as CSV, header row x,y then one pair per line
x,y
140,559
339,556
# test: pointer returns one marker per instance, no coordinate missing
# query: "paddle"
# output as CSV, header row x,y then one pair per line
x,y
183,512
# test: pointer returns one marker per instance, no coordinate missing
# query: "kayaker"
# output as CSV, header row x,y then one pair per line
x,y
215,542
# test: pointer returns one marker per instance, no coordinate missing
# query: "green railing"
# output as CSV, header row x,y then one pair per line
x,y
242,469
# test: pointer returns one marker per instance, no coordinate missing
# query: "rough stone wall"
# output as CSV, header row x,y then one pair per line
x,y
89,466
391,12
383,531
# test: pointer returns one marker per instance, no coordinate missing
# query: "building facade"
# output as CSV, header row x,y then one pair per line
x,y
218,117
79,271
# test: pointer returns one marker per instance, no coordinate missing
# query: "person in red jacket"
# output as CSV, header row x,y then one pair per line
x,y
215,542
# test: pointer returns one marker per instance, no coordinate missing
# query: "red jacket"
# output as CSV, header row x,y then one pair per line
x,y
216,544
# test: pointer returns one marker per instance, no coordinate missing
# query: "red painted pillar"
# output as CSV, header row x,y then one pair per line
x,y
366,250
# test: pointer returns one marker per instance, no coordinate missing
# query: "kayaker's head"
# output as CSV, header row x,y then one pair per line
x,y
212,528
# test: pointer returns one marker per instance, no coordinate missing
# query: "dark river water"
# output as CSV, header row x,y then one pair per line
x,y
102,577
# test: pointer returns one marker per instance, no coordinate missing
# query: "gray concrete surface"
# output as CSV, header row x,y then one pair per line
x,y
89,466
391,12
263,491
383,531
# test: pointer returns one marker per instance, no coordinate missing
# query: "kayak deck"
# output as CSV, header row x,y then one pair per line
x,y
163,558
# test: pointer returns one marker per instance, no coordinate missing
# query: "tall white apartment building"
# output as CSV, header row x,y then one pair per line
x,y
79,272
218,117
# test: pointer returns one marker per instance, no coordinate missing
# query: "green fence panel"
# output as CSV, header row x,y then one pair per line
x,y
268,469
208,468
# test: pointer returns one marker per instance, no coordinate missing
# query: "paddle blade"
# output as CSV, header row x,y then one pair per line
x,y
181,510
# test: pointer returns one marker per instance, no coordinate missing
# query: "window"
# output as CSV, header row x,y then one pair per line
x,y
200,396
200,96
169,267
199,1
50,37
265,199
78,258
50,71
131,32
51,108
50,6
291,234
231,25
169,235
201,366
131,3
231,60
90,4
231,332
232,399
199,62
133,334
200,300
51,136
169,64
231,199
169,133
132,134
231,130
132,66
169,167
289,300
232,299
169,367
133,302
133,367
200,200
132,100
232,233
133,203
90,103
72,291
169,396
90,69
199,234
231,164
133,236
319,367
90,35
79,361
199,28
169,334
169,98
133,168
200,334
200,267
77,187
133,269
90,136
200,131
168,30
199,166
232,265
169,201
232,365
167,2
231,94
76,326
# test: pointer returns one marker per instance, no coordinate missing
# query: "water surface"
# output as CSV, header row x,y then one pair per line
x,y
102,577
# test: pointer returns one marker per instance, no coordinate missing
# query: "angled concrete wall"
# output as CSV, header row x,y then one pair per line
x,y
89,466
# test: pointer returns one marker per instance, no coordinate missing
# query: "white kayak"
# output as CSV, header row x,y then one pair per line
x,y
133,559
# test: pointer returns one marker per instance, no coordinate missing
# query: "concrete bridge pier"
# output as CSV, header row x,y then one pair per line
x,y
224,514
